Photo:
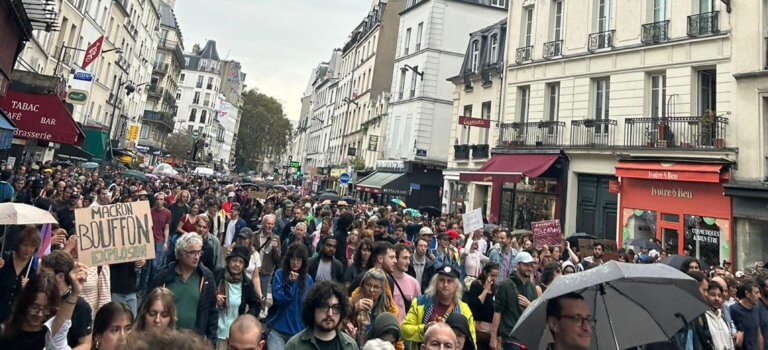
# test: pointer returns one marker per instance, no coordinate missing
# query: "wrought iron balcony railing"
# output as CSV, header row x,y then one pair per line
x,y
703,23
461,152
600,40
656,32
523,54
695,132
531,134
553,49
480,151
593,132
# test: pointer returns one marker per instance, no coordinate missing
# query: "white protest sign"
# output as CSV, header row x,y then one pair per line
x,y
473,221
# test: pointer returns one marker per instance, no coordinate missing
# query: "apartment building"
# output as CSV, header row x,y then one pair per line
x,y
232,88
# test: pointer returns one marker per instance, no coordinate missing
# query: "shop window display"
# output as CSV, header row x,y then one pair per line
x,y
535,200
706,238
639,224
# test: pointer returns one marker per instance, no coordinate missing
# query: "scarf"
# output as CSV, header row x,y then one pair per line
x,y
223,287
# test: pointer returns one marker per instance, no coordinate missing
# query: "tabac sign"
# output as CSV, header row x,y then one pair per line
x,y
475,122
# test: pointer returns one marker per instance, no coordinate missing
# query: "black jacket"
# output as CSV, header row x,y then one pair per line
x,y
249,298
337,269
207,323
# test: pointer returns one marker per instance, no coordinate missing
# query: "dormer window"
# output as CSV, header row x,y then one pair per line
x,y
475,58
494,48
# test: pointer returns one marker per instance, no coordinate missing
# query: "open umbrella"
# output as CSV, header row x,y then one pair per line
x,y
414,213
398,201
164,169
349,200
431,211
678,261
90,165
632,304
574,238
63,164
24,214
134,174
328,196
643,243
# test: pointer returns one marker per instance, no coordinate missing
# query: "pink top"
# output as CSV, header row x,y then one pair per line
x,y
411,289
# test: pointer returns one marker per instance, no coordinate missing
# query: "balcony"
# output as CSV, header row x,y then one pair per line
x,y
703,24
480,151
600,40
154,91
553,49
461,152
164,119
593,132
695,132
531,134
160,67
523,54
656,32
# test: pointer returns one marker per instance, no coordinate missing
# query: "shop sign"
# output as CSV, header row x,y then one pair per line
x,y
421,152
41,117
415,186
704,235
77,97
336,172
368,189
295,165
546,232
395,192
614,186
373,143
476,122
397,166
671,192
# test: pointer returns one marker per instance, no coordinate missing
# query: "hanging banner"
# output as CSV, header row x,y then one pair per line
x,y
117,233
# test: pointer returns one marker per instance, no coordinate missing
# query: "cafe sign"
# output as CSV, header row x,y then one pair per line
x,y
397,166
475,122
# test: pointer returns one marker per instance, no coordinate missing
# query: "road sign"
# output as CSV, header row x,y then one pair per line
x,y
295,164
77,97
195,133
133,132
344,178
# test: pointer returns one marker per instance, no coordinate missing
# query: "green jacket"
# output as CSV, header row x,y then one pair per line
x,y
507,305
305,340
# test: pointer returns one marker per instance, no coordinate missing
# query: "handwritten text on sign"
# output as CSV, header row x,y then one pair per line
x,y
473,221
117,233
546,232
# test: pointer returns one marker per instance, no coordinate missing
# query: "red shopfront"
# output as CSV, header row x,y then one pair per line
x,y
681,204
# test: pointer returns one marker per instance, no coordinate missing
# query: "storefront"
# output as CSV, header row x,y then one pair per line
x,y
419,185
524,187
681,204
750,221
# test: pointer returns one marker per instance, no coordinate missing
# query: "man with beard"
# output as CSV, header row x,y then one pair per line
x,y
66,215
298,216
442,298
407,287
570,322
504,255
382,232
161,227
235,294
597,256
384,258
323,309
512,297
324,267
718,327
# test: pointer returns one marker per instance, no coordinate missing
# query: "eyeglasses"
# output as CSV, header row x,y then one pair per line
x,y
193,253
335,309
47,311
373,287
581,321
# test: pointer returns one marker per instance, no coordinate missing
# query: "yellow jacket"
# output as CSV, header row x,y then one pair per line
x,y
415,320
357,294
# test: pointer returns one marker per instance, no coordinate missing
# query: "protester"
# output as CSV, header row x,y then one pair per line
x,y
407,287
512,297
157,311
570,322
187,222
548,274
717,327
165,340
371,299
245,334
746,316
235,292
472,258
17,268
480,299
323,309
289,288
233,225
460,328
438,337
385,327
61,265
504,255
111,325
268,245
193,287
361,262
422,267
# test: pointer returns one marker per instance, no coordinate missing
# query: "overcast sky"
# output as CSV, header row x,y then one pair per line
x,y
278,42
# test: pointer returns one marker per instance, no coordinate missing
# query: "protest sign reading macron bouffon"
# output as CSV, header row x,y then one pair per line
x,y
116,233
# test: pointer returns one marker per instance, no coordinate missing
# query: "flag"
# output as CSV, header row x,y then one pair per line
x,y
45,239
93,52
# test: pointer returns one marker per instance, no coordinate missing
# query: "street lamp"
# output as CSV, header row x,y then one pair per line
x,y
406,67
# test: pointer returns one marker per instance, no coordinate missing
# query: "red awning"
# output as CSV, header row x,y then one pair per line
x,y
41,117
511,167
671,171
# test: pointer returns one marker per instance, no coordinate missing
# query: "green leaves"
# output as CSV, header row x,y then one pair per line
x,y
264,130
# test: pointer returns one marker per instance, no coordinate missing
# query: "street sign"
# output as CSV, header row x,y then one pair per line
x,y
295,164
133,133
77,97
344,178
195,133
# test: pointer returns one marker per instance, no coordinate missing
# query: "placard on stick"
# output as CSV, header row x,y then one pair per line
x,y
546,232
473,221
116,233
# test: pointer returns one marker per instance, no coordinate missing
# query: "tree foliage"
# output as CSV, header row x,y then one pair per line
x,y
264,131
179,145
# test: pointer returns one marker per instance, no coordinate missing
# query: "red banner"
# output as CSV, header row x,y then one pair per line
x,y
546,232
41,117
476,122
93,52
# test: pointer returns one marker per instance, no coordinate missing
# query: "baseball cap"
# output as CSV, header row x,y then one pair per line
x,y
426,231
448,270
523,258
453,234
245,233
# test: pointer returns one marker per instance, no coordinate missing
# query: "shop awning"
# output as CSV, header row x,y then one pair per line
x,y
671,171
6,131
97,144
510,167
383,182
41,117
73,153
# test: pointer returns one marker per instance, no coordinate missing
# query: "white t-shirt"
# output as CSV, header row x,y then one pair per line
x,y
230,233
253,263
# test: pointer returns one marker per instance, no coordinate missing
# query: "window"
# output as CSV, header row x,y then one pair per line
x,y
196,98
207,100
199,84
178,95
413,81
659,10
658,95
557,25
466,129
706,6
418,35
144,132
553,101
192,114
603,15
210,83
528,26
181,78
402,84
494,54
524,93
486,114
602,99
707,92
407,41
203,115
475,58
499,3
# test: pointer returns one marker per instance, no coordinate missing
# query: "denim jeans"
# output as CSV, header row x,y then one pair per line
x,y
277,340
264,279
157,262
129,299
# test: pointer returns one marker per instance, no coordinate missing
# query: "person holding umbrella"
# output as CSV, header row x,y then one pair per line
x,y
512,297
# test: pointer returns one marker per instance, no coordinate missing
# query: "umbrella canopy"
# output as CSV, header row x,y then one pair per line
x,y
153,177
678,261
24,214
90,165
398,201
431,211
643,243
632,304
328,196
349,200
414,213
135,174
164,169
574,238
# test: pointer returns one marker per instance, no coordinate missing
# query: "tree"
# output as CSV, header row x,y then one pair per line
x,y
179,145
264,131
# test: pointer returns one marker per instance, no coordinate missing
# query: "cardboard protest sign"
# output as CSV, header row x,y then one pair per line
x,y
546,232
473,220
116,233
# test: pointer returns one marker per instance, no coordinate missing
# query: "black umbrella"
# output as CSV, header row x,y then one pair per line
x,y
431,211
574,238
643,243
331,191
328,196
349,200
678,261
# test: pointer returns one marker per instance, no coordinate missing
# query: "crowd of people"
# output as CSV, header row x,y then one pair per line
x,y
240,266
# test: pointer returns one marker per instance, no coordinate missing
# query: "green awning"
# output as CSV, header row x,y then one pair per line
x,y
96,143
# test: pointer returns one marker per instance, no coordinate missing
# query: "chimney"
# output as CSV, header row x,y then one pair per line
x,y
196,49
